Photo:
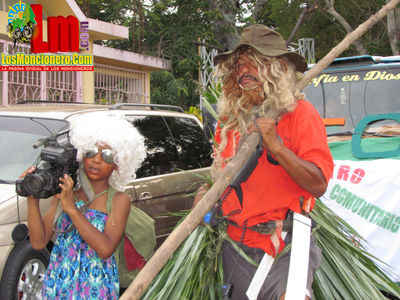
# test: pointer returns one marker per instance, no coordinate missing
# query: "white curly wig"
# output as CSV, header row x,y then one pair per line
x,y
90,130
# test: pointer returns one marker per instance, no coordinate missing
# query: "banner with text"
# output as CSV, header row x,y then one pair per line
x,y
366,194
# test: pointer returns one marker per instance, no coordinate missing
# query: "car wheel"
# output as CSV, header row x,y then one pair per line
x,y
24,272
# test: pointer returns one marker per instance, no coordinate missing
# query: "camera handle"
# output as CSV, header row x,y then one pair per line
x,y
40,142
53,138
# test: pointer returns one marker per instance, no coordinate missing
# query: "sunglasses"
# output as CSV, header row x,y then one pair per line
x,y
106,154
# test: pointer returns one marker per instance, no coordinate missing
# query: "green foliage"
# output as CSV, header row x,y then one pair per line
x,y
194,110
347,271
170,28
165,89
283,15
211,95
171,31
194,271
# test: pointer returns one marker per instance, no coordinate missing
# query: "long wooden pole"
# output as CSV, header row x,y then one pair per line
x,y
161,256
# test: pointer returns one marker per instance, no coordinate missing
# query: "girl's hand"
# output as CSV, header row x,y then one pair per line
x,y
66,196
30,170
27,171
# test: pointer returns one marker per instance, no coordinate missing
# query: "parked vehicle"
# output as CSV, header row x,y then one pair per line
x,y
177,154
354,87
359,99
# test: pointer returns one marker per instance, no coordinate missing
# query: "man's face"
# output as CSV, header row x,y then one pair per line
x,y
247,73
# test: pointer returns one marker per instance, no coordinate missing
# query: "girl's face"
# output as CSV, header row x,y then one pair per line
x,y
99,165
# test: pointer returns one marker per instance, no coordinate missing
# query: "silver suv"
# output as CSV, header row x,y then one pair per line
x,y
177,153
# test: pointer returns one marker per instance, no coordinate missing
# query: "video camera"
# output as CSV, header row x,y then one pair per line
x,y
58,158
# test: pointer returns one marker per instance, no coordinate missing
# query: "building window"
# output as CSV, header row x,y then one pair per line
x,y
61,86
17,86
118,85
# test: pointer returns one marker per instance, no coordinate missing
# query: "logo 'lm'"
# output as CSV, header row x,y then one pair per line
x,y
62,33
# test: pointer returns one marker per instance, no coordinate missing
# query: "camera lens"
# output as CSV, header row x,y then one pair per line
x,y
34,183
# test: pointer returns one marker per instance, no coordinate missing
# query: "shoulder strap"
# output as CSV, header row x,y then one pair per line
x,y
111,193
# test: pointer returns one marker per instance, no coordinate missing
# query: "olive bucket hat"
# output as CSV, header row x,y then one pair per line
x,y
266,41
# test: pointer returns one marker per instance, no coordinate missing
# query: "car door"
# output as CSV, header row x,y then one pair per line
x,y
194,152
158,186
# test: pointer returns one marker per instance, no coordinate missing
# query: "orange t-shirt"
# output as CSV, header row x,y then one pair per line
x,y
269,191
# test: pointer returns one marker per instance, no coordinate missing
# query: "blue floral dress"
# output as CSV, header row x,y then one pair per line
x,y
75,270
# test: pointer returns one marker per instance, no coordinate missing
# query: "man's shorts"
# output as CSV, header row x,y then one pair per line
x,y
239,273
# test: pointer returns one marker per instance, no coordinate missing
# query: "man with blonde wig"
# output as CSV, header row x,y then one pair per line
x,y
294,163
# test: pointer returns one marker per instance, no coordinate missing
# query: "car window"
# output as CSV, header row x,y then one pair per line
x,y
315,95
354,93
17,137
162,156
373,96
193,148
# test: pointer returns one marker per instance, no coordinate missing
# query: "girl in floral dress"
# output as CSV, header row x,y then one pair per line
x,y
82,264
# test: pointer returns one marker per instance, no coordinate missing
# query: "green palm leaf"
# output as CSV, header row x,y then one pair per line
x,y
347,271
195,269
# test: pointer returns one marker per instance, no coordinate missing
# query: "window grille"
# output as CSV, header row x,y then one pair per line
x,y
36,85
61,86
118,85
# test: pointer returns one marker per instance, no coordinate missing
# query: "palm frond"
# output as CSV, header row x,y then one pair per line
x,y
347,270
194,271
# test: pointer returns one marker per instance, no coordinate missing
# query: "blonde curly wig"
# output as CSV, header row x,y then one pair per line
x,y
90,130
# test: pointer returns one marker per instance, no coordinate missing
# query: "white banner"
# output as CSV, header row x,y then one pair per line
x,y
366,194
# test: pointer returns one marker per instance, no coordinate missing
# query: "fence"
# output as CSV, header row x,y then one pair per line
x,y
119,85
18,86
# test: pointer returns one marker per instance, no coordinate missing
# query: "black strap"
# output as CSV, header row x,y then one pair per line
x,y
244,173
271,159
268,227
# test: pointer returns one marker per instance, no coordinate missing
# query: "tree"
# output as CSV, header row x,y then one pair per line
x,y
393,25
173,29
330,9
307,10
283,16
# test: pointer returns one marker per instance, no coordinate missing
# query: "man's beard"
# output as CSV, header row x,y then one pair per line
x,y
254,96
255,101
